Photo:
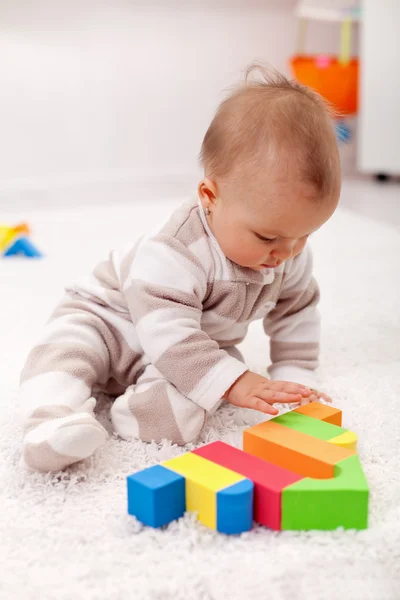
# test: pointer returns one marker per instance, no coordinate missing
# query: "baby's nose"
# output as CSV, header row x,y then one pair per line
x,y
283,251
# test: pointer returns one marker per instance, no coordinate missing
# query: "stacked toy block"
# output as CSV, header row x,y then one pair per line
x,y
299,470
15,241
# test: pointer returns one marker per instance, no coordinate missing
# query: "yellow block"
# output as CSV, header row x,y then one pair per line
x,y
203,480
6,236
346,440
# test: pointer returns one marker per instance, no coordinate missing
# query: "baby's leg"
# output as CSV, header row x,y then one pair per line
x,y
153,410
56,386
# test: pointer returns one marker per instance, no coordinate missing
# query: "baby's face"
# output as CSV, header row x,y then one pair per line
x,y
264,225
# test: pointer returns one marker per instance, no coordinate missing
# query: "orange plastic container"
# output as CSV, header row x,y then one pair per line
x,y
336,82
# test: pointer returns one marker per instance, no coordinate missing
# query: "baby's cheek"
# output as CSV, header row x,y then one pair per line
x,y
238,244
299,247
242,253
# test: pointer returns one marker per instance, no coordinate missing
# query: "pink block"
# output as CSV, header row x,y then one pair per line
x,y
269,480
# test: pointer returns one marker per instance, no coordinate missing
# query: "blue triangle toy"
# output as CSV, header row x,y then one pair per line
x,y
23,247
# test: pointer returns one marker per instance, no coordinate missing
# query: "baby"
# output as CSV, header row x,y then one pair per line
x,y
157,326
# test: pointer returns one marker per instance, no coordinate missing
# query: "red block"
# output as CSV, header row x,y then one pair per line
x,y
269,480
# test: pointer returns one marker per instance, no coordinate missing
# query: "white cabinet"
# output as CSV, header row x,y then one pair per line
x,y
379,115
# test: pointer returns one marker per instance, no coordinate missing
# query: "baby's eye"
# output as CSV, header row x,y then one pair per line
x,y
266,240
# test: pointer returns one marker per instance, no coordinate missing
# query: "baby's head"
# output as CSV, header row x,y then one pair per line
x,y
271,170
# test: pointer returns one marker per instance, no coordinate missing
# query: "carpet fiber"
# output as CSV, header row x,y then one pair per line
x,y
67,536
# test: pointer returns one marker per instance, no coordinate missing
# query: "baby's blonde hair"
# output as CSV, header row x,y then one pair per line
x,y
274,117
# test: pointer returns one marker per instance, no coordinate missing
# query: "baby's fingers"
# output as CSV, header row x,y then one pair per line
x,y
316,396
272,396
290,388
257,403
265,398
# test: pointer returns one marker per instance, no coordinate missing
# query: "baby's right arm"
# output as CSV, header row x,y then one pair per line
x,y
164,291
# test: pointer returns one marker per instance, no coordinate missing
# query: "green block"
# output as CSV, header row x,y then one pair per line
x,y
341,501
315,427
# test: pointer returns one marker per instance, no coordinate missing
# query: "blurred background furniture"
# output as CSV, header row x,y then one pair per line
x,y
379,118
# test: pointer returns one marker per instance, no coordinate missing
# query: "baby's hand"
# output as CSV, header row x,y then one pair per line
x,y
255,391
316,396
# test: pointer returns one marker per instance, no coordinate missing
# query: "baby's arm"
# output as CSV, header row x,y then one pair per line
x,y
294,324
164,291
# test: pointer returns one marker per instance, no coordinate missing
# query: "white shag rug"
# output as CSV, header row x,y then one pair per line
x,y
68,536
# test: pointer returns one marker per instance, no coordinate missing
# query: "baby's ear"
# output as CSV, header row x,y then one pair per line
x,y
208,191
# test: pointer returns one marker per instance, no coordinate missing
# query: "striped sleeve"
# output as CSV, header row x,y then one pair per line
x,y
294,324
164,291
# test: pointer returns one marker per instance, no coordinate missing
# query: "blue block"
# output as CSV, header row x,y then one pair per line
x,y
235,507
23,246
156,496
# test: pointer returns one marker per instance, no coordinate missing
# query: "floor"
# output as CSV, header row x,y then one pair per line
x,y
379,201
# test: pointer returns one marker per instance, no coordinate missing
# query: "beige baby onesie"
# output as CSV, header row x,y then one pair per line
x,y
156,326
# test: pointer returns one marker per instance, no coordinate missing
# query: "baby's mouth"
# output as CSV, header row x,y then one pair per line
x,y
265,266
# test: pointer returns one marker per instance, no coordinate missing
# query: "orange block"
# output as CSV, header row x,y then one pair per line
x,y
22,228
293,450
319,411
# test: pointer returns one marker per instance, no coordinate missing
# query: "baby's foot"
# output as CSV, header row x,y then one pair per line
x,y
58,436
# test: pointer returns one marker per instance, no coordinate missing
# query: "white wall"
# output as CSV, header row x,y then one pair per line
x,y
110,100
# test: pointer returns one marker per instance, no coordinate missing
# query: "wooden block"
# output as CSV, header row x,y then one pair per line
x,y
269,479
293,450
330,414
328,503
156,496
348,440
314,427
204,480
